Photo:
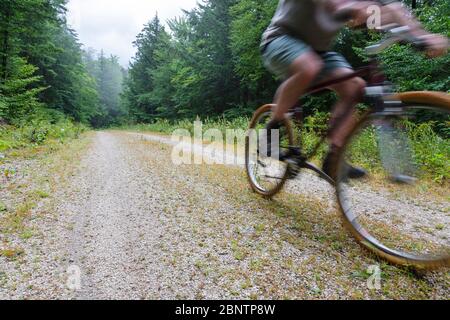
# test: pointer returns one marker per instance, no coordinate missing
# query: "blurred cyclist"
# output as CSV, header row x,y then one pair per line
x,y
296,47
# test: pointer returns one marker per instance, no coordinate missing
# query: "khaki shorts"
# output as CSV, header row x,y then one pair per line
x,y
281,52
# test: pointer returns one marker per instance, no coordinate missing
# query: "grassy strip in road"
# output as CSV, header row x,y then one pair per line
x,y
168,127
292,248
304,222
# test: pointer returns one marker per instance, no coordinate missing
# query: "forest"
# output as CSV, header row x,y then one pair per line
x,y
203,63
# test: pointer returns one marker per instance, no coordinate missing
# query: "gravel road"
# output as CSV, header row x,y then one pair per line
x,y
137,227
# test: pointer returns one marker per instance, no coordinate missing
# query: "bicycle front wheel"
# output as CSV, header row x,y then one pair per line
x,y
266,175
401,210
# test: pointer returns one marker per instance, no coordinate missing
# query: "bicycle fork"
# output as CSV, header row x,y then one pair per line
x,y
396,152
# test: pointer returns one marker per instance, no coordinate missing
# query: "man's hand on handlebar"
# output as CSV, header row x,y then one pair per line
x,y
437,45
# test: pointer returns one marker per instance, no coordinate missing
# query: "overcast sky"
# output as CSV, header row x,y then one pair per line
x,y
112,25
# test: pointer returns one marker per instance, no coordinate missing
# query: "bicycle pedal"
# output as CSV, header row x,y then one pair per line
x,y
294,168
291,161
293,155
293,174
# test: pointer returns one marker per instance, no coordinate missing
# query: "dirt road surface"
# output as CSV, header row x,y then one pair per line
x,y
128,224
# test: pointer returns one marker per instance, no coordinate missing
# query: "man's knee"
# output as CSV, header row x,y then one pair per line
x,y
352,88
307,67
360,85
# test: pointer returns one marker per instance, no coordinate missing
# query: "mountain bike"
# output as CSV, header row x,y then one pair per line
x,y
401,210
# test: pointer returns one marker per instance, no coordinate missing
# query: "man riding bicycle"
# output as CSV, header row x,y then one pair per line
x,y
296,47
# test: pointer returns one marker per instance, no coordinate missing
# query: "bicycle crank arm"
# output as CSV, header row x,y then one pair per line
x,y
322,175
270,177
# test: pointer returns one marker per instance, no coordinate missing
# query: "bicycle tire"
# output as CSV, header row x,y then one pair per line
x,y
436,100
288,126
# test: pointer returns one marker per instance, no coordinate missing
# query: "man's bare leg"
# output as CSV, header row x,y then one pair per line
x,y
350,93
342,121
303,72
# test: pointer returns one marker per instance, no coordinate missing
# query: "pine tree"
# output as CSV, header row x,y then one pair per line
x,y
18,97
140,81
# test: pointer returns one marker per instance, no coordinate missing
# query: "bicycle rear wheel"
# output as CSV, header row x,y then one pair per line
x,y
266,175
401,211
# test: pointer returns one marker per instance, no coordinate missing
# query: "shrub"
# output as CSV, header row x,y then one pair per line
x,y
38,129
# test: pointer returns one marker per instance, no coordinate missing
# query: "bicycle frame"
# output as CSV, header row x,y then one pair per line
x,y
372,73
375,78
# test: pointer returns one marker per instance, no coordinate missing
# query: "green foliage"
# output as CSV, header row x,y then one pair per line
x,y
429,150
412,71
250,19
432,151
40,62
187,73
168,127
139,84
68,79
47,125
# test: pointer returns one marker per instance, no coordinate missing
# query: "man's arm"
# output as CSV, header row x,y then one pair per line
x,y
392,12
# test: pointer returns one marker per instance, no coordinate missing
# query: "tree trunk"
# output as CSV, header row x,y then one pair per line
x,y
414,4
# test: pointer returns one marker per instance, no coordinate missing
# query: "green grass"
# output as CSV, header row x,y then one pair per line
x,y
41,194
11,254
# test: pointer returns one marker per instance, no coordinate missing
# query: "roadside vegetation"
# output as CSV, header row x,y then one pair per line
x,y
422,138
38,132
50,87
